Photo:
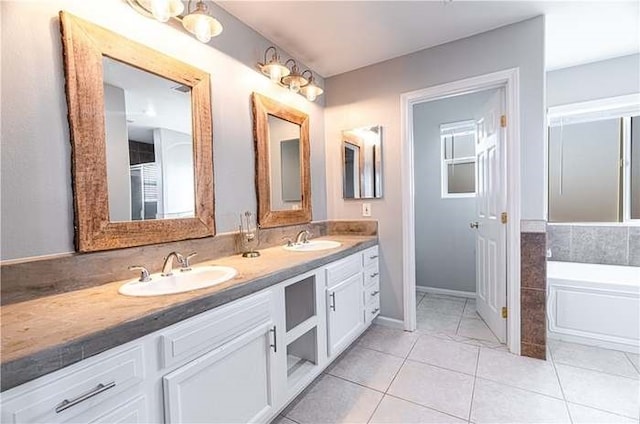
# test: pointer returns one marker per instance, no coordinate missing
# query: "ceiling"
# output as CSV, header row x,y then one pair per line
x,y
332,37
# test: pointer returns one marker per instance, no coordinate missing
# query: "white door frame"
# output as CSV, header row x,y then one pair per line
x,y
510,80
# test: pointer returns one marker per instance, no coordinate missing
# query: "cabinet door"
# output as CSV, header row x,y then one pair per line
x,y
344,312
232,384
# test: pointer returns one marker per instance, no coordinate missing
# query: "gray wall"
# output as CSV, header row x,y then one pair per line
x,y
597,80
371,95
37,211
445,245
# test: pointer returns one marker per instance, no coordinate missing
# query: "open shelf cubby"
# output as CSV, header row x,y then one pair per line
x,y
302,356
300,301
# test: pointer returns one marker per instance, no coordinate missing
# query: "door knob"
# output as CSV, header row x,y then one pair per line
x,y
473,225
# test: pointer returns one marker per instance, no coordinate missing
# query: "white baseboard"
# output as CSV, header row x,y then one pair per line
x,y
435,290
389,322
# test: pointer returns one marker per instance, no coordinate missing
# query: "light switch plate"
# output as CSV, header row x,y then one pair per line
x,y
366,209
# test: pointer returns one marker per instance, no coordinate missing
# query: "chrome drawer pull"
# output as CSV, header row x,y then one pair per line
x,y
375,274
333,301
373,257
66,404
375,311
375,293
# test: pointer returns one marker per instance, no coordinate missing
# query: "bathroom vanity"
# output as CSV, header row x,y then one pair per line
x,y
274,330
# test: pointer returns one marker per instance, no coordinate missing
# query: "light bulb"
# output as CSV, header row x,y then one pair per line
x,y
202,30
275,73
294,85
311,95
160,10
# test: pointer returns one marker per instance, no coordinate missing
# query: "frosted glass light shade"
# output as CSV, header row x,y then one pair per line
x,y
275,70
311,91
163,10
200,24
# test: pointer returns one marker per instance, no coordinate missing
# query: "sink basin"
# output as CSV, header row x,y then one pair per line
x,y
314,245
198,278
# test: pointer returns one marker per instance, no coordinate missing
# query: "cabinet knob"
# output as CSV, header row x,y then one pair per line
x,y
373,257
375,274
375,311
375,293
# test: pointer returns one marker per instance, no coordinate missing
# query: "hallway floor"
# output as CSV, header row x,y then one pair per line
x,y
437,375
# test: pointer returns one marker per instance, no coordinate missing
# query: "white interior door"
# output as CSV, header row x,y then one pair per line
x,y
491,263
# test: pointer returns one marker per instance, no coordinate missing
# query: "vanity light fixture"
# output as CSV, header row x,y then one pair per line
x,y
273,68
198,22
289,75
201,24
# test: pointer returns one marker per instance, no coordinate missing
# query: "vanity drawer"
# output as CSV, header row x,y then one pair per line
x,y
370,256
209,330
343,269
372,309
371,274
63,395
371,292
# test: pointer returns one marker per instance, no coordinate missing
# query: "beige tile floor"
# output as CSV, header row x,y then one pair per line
x,y
436,376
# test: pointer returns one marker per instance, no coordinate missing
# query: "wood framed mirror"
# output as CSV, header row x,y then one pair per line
x,y
283,176
141,137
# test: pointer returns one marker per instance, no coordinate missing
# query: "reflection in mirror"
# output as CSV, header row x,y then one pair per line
x,y
593,161
362,163
149,145
284,158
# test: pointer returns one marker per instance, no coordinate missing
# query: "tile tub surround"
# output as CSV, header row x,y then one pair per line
x,y
533,286
597,244
438,380
93,320
31,279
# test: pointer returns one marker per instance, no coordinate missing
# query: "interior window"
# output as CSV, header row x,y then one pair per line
x,y
458,159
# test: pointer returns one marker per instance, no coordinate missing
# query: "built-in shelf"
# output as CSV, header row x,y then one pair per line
x,y
300,301
302,356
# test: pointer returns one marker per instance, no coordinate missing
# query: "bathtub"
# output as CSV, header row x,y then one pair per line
x,y
594,304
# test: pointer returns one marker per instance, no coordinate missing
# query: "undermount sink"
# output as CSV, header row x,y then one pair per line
x,y
313,246
198,278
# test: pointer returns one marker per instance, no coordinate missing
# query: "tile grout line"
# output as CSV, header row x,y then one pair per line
x,y
564,397
633,364
404,360
425,407
565,364
475,379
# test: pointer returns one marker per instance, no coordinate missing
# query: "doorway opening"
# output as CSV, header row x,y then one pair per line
x,y
461,170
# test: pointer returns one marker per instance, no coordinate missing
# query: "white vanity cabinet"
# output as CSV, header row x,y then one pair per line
x,y
233,380
99,389
240,362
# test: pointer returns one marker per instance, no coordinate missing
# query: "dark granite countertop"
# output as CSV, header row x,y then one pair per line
x,y
43,335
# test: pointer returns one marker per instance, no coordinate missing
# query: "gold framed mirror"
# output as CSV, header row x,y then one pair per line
x,y
141,137
283,176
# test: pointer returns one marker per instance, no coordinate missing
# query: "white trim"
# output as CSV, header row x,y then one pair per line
x,y
510,80
389,322
627,104
533,226
593,342
448,292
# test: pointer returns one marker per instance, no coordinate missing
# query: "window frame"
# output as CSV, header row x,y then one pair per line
x,y
447,130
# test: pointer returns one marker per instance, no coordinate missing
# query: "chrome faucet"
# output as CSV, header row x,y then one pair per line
x,y
303,237
167,267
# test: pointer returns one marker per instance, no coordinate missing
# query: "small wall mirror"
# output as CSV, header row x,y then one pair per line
x,y
362,163
141,135
282,163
